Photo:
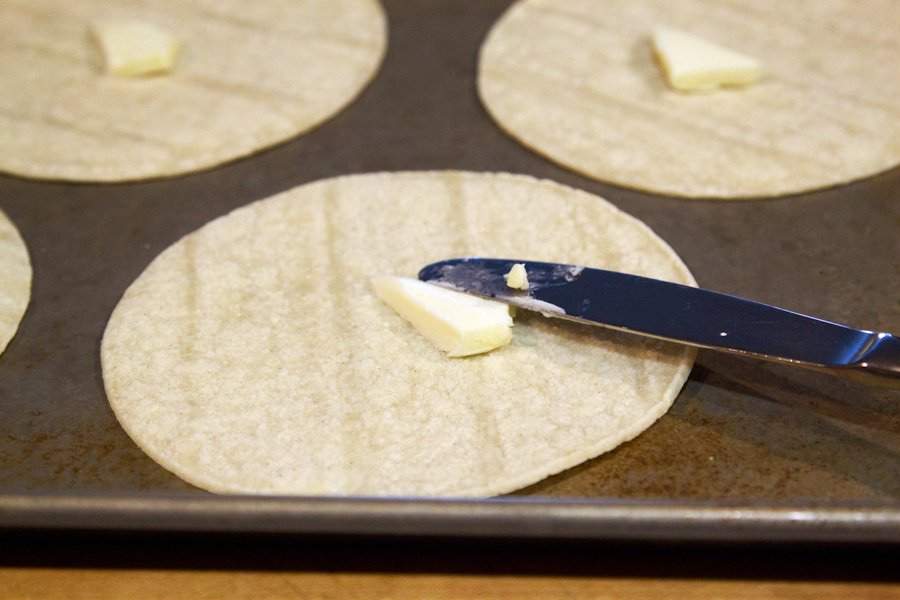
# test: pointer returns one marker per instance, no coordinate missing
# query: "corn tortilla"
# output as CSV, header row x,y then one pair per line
x,y
576,81
250,75
253,355
15,280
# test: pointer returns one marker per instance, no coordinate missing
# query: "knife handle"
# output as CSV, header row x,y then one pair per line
x,y
879,365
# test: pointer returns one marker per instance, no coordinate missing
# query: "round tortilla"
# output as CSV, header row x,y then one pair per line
x,y
253,356
15,280
576,81
250,75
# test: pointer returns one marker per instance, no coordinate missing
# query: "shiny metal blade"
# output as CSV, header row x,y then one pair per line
x,y
677,313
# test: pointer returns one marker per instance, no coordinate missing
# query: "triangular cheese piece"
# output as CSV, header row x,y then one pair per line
x,y
693,64
459,324
135,48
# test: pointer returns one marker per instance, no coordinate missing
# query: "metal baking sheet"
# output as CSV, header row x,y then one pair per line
x,y
750,450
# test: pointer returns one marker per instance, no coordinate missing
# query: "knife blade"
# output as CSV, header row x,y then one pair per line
x,y
679,313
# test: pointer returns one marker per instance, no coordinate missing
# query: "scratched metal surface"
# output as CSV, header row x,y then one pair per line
x,y
741,431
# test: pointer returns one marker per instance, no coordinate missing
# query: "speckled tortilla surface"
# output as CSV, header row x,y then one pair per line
x,y
15,280
576,81
250,75
253,356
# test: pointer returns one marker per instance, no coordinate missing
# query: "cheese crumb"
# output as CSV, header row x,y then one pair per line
x,y
458,323
692,64
517,277
135,48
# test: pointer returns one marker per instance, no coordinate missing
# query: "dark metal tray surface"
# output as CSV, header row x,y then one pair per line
x,y
749,451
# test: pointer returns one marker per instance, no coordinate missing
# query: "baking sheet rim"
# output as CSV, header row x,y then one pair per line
x,y
507,517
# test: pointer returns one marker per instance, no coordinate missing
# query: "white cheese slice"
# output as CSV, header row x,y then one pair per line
x,y
459,324
517,278
693,64
133,48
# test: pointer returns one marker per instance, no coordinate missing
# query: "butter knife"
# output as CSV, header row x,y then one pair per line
x,y
680,313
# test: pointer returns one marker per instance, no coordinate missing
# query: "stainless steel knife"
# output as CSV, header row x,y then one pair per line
x,y
681,314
